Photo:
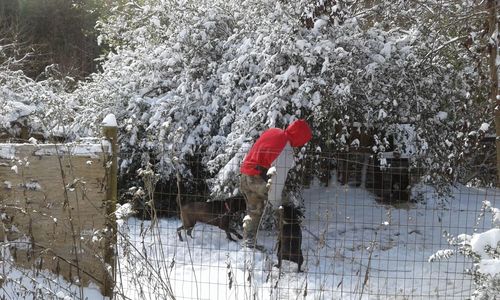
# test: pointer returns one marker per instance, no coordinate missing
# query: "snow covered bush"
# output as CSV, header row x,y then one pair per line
x,y
484,251
40,106
193,83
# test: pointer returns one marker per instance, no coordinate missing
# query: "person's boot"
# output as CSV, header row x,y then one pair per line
x,y
250,235
251,243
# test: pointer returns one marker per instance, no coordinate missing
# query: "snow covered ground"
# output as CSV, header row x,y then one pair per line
x,y
354,248
27,284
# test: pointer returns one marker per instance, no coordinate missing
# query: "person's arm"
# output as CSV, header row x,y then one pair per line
x,y
282,165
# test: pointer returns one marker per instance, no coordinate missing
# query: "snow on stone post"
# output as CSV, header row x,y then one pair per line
x,y
110,133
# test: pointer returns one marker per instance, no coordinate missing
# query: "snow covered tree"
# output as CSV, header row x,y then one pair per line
x,y
30,107
193,83
452,35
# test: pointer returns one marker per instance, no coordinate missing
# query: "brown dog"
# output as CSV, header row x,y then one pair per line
x,y
217,213
290,236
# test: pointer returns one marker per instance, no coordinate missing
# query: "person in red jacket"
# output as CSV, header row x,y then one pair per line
x,y
272,148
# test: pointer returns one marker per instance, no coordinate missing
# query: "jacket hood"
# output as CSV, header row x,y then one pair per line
x,y
298,133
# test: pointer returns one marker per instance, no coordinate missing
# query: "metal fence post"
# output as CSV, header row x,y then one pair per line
x,y
110,133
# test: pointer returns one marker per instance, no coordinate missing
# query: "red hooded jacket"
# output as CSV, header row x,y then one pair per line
x,y
270,144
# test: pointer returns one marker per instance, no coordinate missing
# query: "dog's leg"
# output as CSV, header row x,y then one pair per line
x,y
278,265
189,232
229,236
224,225
278,252
298,269
233,231
300,262
179,233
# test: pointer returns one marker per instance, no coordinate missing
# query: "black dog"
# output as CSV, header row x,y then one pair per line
x,y
290,236
217,213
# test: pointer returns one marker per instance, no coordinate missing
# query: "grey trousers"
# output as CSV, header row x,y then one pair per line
x,y
255,191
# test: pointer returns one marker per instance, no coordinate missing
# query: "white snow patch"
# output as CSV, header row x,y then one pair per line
x,y
442,115
480,241
386,51
382,114
271,171
15,169
155,21
318,24
490,266
496,217
484,127
33,185
378,58
109,121
122,212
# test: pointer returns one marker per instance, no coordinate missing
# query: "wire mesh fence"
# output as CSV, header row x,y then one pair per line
x,y
368,231
365,229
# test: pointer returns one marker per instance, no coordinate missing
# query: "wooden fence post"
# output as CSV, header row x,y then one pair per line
x,y
110,133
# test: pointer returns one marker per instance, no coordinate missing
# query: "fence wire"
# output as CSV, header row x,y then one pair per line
x,y
368,232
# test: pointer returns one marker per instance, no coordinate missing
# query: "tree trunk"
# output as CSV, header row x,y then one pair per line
x,y
494,96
